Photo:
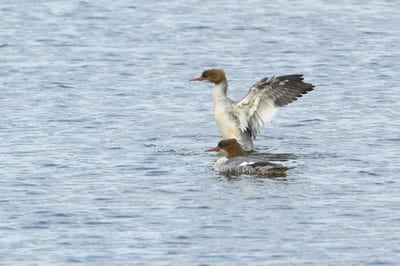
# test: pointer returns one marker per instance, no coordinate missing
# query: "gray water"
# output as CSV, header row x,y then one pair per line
x,y
102,136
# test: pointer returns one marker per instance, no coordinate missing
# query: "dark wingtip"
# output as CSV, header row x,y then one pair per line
x,y
296,88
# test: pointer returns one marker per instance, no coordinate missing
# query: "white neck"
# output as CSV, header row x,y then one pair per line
x,y
219,92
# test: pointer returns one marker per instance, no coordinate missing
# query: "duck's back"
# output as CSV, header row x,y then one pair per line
x,y
250,166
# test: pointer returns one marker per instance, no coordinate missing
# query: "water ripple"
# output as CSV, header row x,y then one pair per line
x,y
103,137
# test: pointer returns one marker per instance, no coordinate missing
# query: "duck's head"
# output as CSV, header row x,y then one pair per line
x,y
230,146
211,75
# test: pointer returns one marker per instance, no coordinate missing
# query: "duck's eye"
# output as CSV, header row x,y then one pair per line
x,y
206,74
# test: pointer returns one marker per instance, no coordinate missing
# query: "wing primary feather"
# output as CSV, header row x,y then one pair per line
x,y
260,104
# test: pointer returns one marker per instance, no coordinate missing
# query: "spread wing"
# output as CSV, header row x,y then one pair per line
x,y
264,98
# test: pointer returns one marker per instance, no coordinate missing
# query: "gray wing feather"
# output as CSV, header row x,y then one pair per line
x,y
261,102
284,89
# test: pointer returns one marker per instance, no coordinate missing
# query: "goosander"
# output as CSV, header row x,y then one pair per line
x,y
236,163
243,120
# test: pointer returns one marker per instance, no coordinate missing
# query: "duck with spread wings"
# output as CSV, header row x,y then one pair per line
x,y
243,120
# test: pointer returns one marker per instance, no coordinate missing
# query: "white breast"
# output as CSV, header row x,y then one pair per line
x,y
218,164
226,123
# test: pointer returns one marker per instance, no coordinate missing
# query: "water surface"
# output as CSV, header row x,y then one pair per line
x,y
103,137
